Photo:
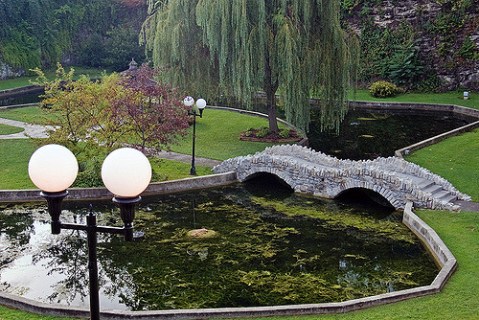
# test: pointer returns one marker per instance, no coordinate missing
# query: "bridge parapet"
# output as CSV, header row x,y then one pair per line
x,y
309,171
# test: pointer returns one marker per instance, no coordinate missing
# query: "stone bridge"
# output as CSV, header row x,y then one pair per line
x,y
308,171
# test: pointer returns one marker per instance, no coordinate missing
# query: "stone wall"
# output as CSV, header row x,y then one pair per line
x,y
438,50
7,71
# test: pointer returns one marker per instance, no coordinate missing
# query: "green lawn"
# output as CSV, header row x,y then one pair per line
x,y
27,80
456,159
217,135
6,129
9,314
453,97
31,114
212,141
14,156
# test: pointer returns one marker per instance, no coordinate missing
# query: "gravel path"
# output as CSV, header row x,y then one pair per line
x,y
30,130
38,131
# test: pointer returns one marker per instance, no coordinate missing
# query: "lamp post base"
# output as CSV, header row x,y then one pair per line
x,y
193,171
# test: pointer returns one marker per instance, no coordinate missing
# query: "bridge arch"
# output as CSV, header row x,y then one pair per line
x,y
373,191
261,174
363,194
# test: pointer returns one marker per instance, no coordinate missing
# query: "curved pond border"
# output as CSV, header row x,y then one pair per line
x,y
441,253
400,153
426,234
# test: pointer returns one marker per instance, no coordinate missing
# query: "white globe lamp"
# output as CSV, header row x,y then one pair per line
x,y
188,101
126,172
201,104
53,168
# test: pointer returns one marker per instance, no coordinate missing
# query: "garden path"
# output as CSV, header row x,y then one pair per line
x,y
30,130
38,131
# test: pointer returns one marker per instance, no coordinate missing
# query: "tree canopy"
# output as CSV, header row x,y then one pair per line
x,y
92,118
236,48
40,33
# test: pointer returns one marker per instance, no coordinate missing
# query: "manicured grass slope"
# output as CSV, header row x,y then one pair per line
x,y
9,314
453,97
32,115
217,135
27,80
6,129
14,156
456,159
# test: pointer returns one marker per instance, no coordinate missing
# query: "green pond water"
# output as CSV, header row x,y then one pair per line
x,y
269,247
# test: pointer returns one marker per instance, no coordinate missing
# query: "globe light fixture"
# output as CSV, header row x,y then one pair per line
x,y
200,105
53,168
188,101
126,173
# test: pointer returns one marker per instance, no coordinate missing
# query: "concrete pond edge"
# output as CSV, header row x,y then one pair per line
x,y
444,258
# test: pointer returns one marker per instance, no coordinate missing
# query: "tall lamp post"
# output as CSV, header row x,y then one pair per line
x,y
125,172
200,105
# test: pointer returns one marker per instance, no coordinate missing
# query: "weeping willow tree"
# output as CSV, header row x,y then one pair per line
x,y
286,48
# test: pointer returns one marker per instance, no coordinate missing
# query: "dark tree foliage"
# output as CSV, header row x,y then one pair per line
x,y
99,33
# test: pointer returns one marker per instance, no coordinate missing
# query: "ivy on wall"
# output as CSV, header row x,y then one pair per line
x,y
412,53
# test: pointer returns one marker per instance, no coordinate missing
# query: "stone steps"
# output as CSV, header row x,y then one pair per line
x,y
434,189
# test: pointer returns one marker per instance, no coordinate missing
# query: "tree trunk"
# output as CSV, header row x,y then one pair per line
x,y
270,90
272,113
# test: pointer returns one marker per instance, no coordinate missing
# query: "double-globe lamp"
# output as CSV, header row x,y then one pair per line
x,y
200,105
126,173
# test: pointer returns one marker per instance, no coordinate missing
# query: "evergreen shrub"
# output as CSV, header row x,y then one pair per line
x,y
384,89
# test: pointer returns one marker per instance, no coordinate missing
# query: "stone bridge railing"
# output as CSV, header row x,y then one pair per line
x,y
312,172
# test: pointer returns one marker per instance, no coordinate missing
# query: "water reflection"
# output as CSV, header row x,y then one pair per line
x,y
269,248
22,98
368,134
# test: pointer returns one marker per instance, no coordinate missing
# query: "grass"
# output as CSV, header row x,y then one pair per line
x,y
6,129
452,97
10,314
212,141
173,170
217,135
459,158
27,80
31,114
14,156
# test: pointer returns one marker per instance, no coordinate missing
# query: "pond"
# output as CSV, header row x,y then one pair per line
x,y
368,133
21,98
265,246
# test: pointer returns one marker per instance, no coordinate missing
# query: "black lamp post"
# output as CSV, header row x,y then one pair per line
x,y
126,173
200,106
